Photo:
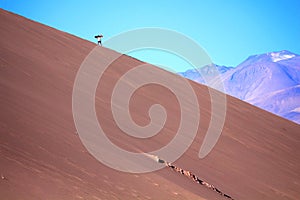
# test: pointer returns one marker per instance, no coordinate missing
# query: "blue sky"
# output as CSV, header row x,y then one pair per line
x,y
229,30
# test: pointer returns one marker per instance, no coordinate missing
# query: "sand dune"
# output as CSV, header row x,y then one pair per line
x,y
42,157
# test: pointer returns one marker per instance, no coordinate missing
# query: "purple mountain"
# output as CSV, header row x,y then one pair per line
x,y
270,81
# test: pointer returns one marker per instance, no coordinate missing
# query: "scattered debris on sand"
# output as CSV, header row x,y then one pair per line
x,y
189,175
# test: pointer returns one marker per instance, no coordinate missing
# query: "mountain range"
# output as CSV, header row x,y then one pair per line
x,y
270,81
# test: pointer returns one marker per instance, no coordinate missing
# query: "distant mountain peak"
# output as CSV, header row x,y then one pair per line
x,y
271,57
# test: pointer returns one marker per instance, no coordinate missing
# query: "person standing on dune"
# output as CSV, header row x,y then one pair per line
x,y
98,37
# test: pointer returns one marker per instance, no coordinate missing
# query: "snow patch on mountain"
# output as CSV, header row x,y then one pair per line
x,y
296,110
277,56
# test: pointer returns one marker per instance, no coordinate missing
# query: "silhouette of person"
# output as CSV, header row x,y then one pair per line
x,y
98,37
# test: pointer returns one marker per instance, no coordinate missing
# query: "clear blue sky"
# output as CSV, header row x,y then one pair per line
x,y
229,30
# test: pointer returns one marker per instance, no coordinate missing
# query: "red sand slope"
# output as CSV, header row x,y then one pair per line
x,y
41,156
